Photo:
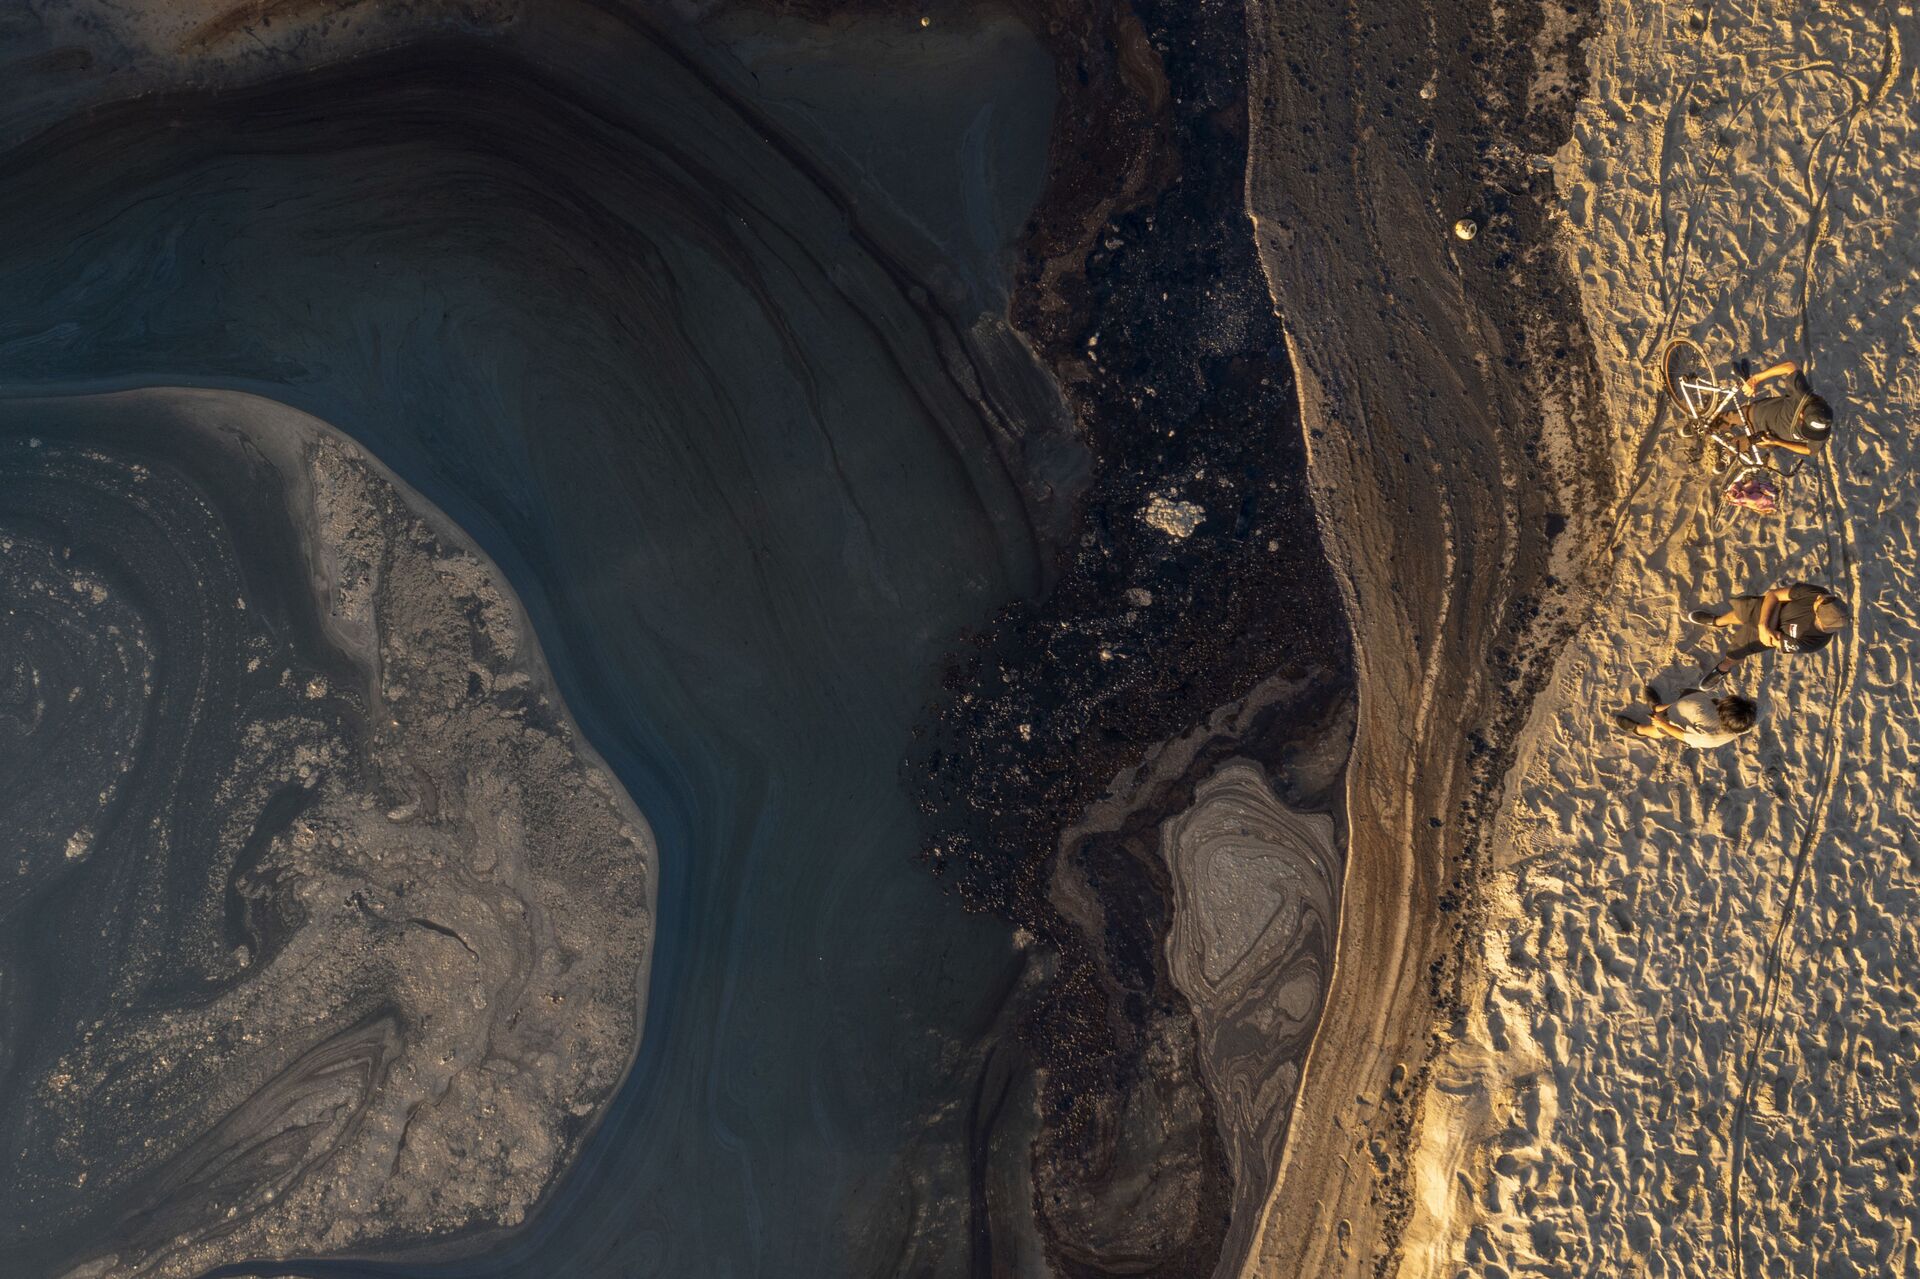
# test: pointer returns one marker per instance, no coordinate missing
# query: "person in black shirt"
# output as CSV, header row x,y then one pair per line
x,y
1797,618
1797,420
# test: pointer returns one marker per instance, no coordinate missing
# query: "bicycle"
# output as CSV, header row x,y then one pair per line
x,y
1713,413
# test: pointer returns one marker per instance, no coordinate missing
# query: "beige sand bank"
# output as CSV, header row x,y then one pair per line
x,y
1691,1044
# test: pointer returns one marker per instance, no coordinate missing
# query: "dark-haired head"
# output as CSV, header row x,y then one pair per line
x,y
1737,713
1816,420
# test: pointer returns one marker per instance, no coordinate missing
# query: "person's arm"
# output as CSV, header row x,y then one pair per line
x,y
1769,610
1775,442
1782,369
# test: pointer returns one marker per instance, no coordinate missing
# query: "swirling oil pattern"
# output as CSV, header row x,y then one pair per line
x,y
744,443
1255,891
320,929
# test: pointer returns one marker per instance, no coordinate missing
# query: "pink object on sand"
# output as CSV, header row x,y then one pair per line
x,y
1757,494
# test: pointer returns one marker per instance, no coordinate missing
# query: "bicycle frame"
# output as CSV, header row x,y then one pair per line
x,y
1705,402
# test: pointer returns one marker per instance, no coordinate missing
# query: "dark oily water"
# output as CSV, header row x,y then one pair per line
x,y
745,446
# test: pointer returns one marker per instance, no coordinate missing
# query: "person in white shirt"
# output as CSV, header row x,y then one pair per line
x,y
1694,718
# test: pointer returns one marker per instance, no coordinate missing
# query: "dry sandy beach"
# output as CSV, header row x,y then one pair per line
x,y
1690,1038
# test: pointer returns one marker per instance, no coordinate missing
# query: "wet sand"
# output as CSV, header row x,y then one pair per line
x,y
1449,408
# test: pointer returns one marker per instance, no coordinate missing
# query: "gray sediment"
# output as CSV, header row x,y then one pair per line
x,y
370,923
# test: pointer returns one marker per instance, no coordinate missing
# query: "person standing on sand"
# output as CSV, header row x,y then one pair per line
x,y
1796,421
1694,718
1796,618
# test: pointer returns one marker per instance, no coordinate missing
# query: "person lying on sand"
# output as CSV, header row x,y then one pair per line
x,y
1797,618
1796,420
1694,718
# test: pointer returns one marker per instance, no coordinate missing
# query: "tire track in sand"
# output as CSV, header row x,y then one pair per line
x,y
1812,829
1820,193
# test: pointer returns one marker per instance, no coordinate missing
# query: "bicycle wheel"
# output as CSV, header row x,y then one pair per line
x,y
1682,364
